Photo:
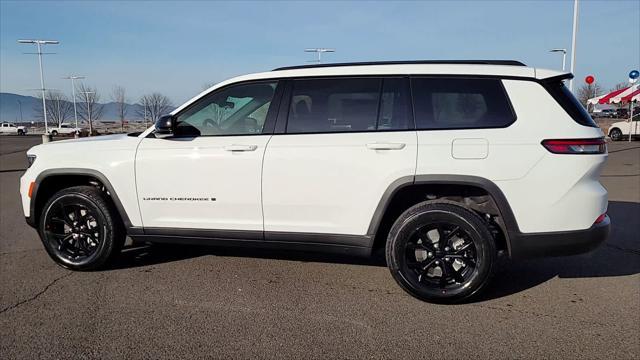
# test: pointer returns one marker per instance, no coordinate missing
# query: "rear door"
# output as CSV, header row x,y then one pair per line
x,y
341,143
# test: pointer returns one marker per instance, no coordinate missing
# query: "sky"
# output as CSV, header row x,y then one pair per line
x,y
176,48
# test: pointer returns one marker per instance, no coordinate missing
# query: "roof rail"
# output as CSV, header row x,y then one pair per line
x,y
410,62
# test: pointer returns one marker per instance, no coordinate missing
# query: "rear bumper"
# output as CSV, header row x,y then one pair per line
x,y
559,243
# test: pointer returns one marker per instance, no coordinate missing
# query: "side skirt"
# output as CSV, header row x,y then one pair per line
x,y
326,243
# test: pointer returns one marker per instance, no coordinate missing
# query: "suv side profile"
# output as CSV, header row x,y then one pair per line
x,y
443,165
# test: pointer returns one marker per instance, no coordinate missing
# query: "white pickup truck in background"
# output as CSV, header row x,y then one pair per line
x,y
9,128
64,129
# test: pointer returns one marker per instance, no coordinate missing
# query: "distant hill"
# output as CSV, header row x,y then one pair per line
x,y
10,109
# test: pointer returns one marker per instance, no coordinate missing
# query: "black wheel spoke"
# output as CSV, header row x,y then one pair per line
x,y
453,273
451,235
425,269
444,278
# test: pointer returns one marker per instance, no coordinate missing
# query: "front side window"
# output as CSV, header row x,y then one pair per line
x,y
235,110
460,103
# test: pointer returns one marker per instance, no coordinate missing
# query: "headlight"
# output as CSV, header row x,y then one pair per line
x,y
31,159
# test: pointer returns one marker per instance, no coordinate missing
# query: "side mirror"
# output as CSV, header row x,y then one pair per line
x,y
164,126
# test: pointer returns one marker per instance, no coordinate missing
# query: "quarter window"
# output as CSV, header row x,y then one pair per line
x,y
236,110
451,103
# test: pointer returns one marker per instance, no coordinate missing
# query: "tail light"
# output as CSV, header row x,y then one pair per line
x,y
576,146
600,218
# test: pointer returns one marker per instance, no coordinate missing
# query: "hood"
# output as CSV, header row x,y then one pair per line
x,y
88,144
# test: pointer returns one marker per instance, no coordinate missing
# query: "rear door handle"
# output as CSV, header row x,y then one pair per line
x,y
386,146
235,147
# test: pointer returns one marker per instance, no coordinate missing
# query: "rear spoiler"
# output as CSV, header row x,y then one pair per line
x,y
557,78
545,75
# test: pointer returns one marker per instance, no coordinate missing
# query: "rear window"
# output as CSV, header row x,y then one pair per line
x,y
460,103
569,103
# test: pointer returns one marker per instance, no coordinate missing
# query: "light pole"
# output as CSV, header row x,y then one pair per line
x,y
319,51
573,42
73,91
564,56
38,44
20,107
86,97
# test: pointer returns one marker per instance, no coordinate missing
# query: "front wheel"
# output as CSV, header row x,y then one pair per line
x,y
79,230
440,252
54,133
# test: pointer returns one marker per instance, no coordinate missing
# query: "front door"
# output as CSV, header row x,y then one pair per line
x,y
207,175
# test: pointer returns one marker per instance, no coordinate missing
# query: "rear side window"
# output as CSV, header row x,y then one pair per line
x,y
348,105
569,103
460,103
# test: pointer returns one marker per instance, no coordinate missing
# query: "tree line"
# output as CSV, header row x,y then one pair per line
x,y
89,109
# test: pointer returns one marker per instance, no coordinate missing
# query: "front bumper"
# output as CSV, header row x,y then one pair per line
x,y
561,243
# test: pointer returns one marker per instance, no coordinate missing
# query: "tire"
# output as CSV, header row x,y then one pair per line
x,y
418,262
54,133
79,229
20,132
615,134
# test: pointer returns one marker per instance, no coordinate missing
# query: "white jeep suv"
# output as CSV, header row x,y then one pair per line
x,y
445,165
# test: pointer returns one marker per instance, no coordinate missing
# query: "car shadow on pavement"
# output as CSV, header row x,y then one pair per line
x,y
619,256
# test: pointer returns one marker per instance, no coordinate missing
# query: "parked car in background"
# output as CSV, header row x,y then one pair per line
x,y
605,113
9,128
620,130
64,129
622,113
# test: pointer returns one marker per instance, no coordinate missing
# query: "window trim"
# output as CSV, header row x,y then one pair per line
x,y
283,114
269,122
483,77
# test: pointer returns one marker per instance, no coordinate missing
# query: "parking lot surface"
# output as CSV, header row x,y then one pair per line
x,y
194,302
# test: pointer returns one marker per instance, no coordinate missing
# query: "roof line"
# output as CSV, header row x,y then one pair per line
x,y
408,62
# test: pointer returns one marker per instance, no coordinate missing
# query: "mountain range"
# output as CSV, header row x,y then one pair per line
x,y
10,105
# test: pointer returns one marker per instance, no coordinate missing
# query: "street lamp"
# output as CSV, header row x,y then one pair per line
x,y
73,91
319,51
564,56
573,42
38,44
86,97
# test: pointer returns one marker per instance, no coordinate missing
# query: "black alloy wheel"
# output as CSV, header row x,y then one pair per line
x,y
78,229
441,252
616,135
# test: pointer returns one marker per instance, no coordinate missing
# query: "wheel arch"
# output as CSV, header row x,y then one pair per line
x,y
465,190
50,181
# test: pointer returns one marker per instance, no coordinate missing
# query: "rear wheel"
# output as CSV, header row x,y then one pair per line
x,y
440,252
79,230
54,133
615,134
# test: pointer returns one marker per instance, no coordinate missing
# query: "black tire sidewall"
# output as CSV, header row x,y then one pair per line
x,y
100,208
426,213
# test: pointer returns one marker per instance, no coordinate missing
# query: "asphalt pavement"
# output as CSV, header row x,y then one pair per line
x,y
194,302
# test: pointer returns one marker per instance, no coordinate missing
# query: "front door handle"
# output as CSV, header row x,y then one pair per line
x,y
386,146
235,147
